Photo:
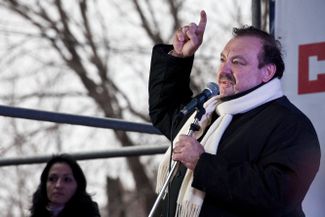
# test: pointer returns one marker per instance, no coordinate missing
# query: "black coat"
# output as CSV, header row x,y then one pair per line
x,y
85,208
266,159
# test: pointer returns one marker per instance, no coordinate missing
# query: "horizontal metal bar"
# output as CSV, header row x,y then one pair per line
x,y
121,152
109,123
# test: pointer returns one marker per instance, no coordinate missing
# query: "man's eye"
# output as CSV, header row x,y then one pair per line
x,y
237,62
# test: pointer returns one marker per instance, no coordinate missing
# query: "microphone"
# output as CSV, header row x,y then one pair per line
x,y
211,90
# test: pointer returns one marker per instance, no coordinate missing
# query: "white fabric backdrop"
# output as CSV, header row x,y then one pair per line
x,y
300,26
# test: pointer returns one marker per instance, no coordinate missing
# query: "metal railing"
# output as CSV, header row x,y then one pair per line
x,y
109,123
89,121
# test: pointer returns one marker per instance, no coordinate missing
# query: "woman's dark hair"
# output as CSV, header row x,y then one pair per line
x,y
40,199
271,48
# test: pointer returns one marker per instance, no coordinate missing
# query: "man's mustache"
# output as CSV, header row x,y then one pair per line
x,y
227,77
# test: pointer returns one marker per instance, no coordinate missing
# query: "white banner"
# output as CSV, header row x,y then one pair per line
x,y
300,26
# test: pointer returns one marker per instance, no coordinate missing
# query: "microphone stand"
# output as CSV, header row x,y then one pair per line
x,y
175,165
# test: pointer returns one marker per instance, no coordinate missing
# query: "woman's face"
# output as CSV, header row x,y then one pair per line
x,y
61,184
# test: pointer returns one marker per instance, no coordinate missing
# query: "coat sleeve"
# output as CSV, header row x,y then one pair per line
x,y
169,90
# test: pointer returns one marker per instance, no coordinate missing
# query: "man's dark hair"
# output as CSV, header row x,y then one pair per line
x,y
271,48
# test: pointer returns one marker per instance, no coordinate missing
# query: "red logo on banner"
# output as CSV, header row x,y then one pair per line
x,y
311,79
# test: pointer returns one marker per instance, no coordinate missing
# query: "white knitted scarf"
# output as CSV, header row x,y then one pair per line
x,y
189,199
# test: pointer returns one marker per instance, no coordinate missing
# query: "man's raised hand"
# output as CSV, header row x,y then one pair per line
x,y
188,38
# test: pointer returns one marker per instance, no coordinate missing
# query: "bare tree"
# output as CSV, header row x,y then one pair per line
x,y
104,92
85,41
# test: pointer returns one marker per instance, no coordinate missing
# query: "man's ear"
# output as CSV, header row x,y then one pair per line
x,y
268,72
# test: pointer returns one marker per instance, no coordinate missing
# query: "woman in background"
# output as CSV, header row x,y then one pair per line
x,y
62,191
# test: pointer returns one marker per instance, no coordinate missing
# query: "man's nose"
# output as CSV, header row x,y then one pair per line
x,y
225,68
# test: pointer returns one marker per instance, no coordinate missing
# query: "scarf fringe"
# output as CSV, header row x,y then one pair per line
x,y
188,209
162,173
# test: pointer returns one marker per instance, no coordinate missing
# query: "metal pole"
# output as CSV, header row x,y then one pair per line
x,y
62,118
121,152
256,13
163,192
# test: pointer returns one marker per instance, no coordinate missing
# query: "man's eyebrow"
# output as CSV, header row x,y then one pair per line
x,y
238,57
233,57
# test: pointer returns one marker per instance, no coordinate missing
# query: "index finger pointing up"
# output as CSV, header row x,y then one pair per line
x,y
202,23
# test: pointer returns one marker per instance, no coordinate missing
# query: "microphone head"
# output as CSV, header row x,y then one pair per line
x,y
213,88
